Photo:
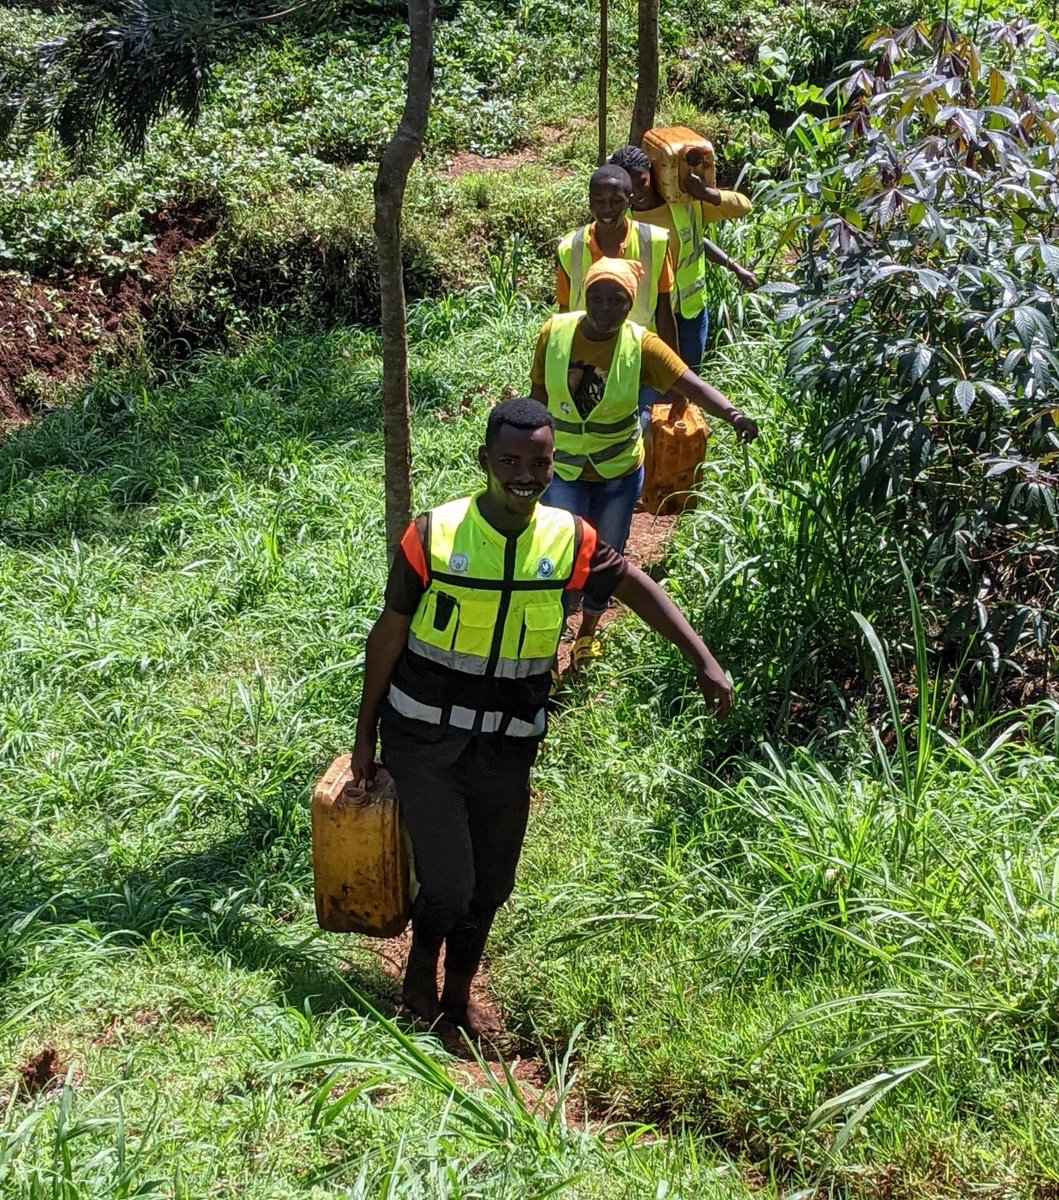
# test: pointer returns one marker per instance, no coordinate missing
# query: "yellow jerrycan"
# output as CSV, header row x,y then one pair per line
x,y
361,859
674,452
675,153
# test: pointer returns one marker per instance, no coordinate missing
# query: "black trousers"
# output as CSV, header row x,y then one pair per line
x,y
465,802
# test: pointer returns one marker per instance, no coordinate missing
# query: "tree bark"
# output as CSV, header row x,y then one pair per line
x,y
604,67
390,184
643,112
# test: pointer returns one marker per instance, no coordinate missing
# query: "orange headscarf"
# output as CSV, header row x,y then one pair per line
x,y
627,274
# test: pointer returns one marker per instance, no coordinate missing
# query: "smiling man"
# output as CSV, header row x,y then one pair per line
x,y
456,679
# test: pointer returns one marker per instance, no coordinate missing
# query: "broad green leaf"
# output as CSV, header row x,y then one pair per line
x,y
965,395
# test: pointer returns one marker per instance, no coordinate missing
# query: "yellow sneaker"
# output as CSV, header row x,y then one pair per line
x,y
587,650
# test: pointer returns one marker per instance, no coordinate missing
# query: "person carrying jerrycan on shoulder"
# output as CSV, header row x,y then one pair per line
x,y
685,224
613,235
589,368
456,681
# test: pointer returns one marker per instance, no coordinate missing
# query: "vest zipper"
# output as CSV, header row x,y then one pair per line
x,y
510,552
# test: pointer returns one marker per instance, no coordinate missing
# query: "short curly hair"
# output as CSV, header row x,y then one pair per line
x,y
520,412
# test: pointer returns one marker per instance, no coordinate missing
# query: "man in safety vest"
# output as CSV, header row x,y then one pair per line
x,y
589,368
456,679
613,235
691,250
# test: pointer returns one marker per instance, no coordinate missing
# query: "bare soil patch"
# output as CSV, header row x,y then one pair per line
x,y
466,162
41,1071
52,330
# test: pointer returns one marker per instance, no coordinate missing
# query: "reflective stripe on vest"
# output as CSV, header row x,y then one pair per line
x,y
645,244
488,623
691,261
609,438
465,718
477,664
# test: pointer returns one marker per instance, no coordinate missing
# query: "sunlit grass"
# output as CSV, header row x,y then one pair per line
x,y
803,966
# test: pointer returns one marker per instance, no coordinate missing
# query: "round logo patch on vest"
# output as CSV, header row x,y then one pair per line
x,y
545,568
458,563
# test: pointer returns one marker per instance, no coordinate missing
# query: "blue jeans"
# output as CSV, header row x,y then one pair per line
x,y
607,506
692,335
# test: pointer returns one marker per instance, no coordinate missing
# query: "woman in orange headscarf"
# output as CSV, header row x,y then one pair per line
x,y
588,368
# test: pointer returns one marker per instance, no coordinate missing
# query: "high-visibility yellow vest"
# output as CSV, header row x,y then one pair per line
x,y
609,437
483,638
691,259
645,244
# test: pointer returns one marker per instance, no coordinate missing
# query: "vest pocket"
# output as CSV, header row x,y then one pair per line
x,y
541,626
439,624
474,633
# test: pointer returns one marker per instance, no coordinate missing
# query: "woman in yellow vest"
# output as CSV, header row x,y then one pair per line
x,y
456,677
691,250
589,368
613,235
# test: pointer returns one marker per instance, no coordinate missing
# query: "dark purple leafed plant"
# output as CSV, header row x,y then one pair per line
x,y
925,324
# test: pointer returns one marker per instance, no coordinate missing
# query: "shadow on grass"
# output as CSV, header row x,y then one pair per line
x,y
232,898
91,466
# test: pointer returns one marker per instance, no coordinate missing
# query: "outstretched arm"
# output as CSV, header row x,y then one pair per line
x,y
716,255
654,607
690,387
385,643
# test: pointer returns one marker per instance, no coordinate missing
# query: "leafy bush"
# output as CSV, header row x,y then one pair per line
x,y
925,323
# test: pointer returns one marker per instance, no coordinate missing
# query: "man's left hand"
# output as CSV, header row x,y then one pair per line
x,y
715,687
747,278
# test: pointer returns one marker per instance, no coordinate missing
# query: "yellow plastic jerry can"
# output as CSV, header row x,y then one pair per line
x,y
361,859
675,153
674,452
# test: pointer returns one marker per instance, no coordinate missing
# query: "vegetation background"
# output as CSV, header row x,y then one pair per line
x,y
810,953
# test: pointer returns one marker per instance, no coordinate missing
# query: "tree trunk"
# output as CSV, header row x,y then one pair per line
x,y
643,112
390,183
604,66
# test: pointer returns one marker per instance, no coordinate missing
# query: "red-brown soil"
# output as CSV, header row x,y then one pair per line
x,y
465,162
51,330
41,1071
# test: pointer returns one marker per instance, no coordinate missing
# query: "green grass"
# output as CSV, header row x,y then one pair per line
x,y
831,965
810,953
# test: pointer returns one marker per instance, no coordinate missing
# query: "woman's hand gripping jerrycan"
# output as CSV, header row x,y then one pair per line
x,y
361,857
674,452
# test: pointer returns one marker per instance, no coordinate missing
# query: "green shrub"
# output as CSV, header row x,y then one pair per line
x,y
926,325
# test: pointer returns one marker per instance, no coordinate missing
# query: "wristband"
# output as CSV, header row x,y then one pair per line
x,y
734,416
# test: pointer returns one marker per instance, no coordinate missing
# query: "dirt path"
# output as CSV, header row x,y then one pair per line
x,y
648,539
491,1062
